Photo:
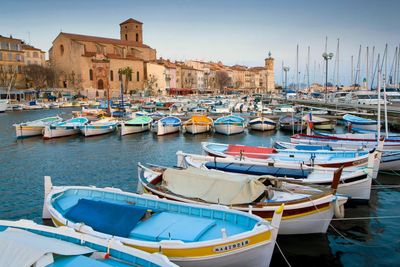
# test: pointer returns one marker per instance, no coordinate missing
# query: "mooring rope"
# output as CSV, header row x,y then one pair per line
x,y
283,255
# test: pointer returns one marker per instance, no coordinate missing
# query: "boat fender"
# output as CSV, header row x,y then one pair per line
x,y
339,209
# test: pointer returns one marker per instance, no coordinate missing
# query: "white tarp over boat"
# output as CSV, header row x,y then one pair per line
x,y
23,248
213,186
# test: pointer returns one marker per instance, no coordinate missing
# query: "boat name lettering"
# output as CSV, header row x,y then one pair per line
x,y
232,246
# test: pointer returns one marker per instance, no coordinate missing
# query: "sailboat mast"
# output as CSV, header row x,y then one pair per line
x,y
378,126
297,68
372,66
384,94
358,71
352,72
308,69
337,58
367,69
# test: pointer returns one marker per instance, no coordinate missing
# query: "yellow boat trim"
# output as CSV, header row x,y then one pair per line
x,y
29,127
288,217
205,251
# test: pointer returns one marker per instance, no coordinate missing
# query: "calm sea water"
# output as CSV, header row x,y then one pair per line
x,y
111,160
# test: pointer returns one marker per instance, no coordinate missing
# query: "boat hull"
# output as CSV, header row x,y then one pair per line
x,y
324,126
165,129
196,128
55,132
131,129
27,131
89,130
229,129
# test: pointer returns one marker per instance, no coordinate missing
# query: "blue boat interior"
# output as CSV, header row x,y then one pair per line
x,y
117,258
258,170
148,219
229,119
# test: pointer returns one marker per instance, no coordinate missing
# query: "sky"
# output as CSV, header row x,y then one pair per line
x,y
234,32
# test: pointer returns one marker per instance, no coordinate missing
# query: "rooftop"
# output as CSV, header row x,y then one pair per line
x,y
104,40
130,20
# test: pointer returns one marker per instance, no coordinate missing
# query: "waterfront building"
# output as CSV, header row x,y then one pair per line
x,y
91,63
11,62
156,79
33,55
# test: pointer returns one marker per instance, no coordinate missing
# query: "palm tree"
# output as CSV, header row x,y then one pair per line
x,y
127,72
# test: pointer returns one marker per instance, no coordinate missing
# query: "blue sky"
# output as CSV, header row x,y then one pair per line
x,y
235,32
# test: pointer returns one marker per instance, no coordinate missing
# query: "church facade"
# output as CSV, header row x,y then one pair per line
x,y
91,64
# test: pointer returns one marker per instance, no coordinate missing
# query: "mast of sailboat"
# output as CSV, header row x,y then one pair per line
x,y
398,68
372,66
395,59
358,71
384,93
337,62
367,70
378,125
308,69
352,71
297,68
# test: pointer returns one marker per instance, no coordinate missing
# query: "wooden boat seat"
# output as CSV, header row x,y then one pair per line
x,y
166,226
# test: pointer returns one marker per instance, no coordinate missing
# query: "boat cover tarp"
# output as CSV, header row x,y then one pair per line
x,y
23,248
110,218
200,120
258,170
358,120
140,120
250,151
213,186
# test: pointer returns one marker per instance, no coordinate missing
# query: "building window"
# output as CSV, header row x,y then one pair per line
x,y
18,57
111,75
130,77
1,56
126,37
29,62
120,77
35,54
137,37
137,76
91,74
19,69
10,57
61,50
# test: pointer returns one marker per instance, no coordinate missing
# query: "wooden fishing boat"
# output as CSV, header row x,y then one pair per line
x,y
319,123
390,159
289,123
25,243
342,142
3,105
334,159
66,128
166,125
136,125
103,126
358,122
198,124
260,195
355,182
262,124
229,125
188,234
34,128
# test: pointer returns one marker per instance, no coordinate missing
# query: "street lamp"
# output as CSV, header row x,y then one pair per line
x,y
326,56
286,69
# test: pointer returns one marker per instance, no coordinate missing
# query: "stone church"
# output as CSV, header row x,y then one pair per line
x,y
91,63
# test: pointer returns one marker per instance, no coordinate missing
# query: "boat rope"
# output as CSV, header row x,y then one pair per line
x,y
283,255
390,172
352,218
354,242
382,186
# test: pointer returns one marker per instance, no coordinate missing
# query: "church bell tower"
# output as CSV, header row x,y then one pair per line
x,y
131,31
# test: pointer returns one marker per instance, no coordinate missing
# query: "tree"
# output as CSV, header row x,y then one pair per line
x,y
223,79
39,76
150,84
127,73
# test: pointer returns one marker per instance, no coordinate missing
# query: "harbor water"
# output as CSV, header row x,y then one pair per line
x,y
371,239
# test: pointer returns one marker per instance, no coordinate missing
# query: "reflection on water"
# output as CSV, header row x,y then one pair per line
x,y
110,160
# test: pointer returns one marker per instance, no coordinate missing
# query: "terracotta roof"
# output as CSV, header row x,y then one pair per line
x,y
29,47
113,56
88,38
130,20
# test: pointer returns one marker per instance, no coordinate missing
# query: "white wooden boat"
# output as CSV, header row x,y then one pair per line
x,y
262,124
319,123
166,125
188,234
25,243
355,182
103,126
34,128
136,125
362,123
66,128
3,105
308,209
198,124
229,125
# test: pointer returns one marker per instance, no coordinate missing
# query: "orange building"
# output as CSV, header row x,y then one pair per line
x,y
91,63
